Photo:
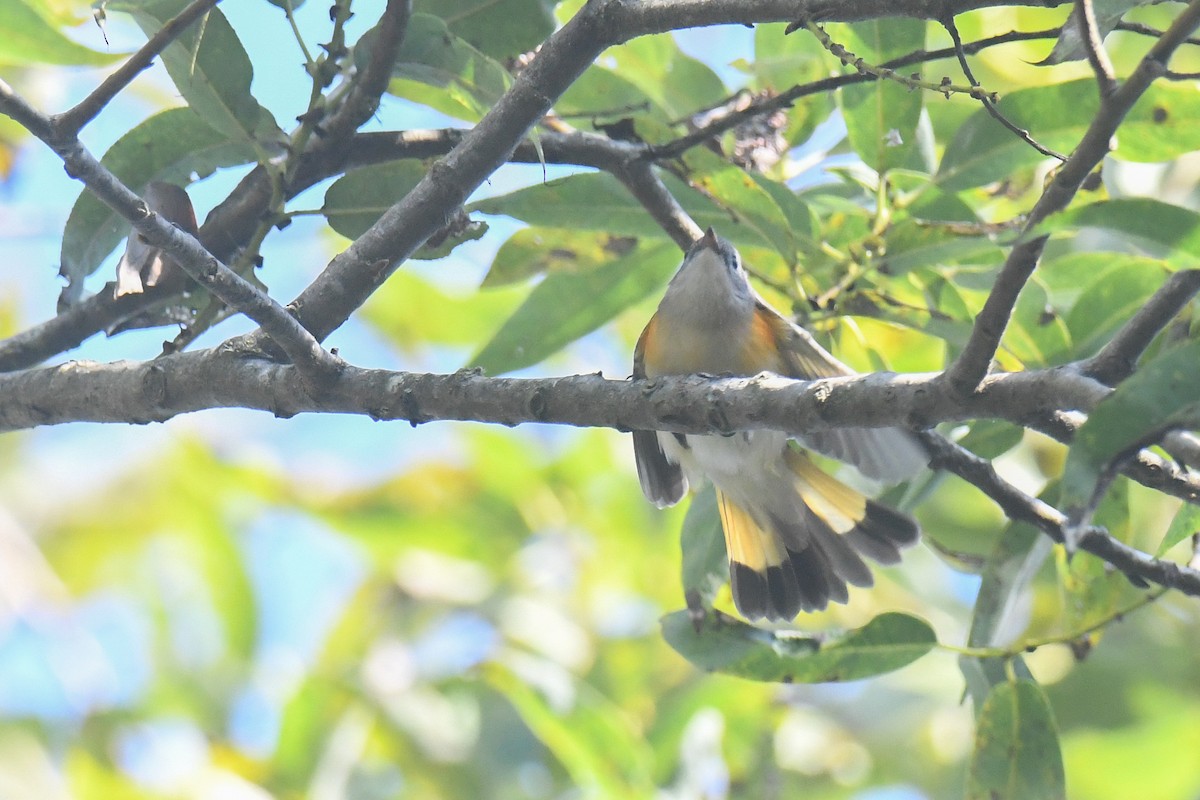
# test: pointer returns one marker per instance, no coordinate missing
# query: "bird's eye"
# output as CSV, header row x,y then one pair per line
x,y
142,239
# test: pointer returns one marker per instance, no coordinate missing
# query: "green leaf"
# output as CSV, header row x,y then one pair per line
x,y
1036,334
678,83
595,742
564,307
1070,46
744,197
1160,395
31,37
910,245
781,62
1164,230
1110,299
1002,606
604,95
611,209
724,644
171,146
1016,754
444,72
881,116
1184,526
359,198
1164,124
989,438
498,28
705,563
210,69
534,251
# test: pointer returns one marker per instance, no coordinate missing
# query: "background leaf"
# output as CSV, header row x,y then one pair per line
x,y
564,307
1016,747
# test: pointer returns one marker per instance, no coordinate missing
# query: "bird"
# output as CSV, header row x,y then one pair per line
x,y
795,536
144,266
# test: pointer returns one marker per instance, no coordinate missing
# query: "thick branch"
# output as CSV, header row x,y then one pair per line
x,y
182,383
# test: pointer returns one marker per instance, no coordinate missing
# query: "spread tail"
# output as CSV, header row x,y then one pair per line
x,y
781,566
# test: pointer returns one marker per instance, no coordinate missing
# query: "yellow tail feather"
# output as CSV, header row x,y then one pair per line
x,y
841,508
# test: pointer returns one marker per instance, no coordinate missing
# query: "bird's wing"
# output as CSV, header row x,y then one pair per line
x,y
886,454
662,481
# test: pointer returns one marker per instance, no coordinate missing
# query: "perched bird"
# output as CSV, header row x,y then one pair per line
x,y
795,535
144,266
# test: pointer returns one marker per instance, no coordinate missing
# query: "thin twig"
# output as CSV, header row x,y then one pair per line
x,y
988,102
1146,30
945,86
1093,45
639,178
787,98
972,363
1116,360
71,122
1019,506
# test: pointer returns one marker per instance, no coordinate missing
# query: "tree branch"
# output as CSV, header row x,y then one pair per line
x,y
1097,57
354,274
972,363
1116,360
71,122
1138,566
305,352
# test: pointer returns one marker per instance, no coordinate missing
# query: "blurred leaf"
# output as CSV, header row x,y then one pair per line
x,y
534,251
1036,334
564,307
1164,230
1141,756
781,62
171,146
31,37
593,740
1067,277
678,83
444,72
304,729
1161,394
989,438
611,209
724,644
745,199
1016,747
416,315
1184,525
1070,46
910,245
498,28
881,116
1109,300
705,563
603,96
1160,127
210,69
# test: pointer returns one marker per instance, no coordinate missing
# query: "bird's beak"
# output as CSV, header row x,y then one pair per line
x,y
709,239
